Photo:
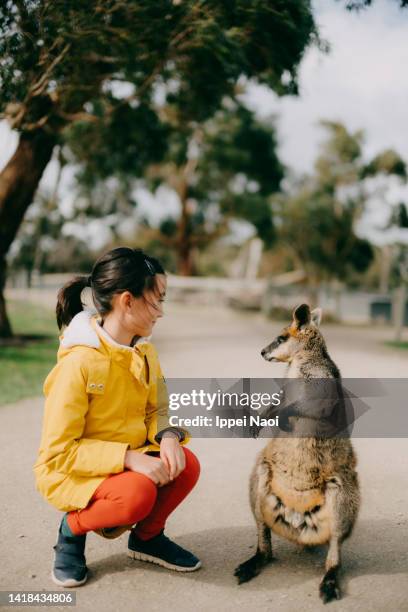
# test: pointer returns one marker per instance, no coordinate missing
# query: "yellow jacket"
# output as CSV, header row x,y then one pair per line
x,y
101,399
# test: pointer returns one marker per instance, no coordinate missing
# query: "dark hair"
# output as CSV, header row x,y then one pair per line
x,y
118,270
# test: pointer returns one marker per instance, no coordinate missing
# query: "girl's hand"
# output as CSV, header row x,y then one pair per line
x,y
172,455
152,467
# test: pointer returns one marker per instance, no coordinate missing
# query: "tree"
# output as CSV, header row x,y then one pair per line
x,y
317,216
227,167
395,271
61,64
359,5
38,236
229,170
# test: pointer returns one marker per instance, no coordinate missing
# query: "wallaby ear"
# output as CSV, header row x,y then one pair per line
x,y
301,315
316,316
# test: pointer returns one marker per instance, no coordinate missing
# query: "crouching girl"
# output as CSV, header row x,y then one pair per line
x,y
108,457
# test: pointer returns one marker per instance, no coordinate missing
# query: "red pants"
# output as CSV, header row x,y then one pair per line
x,y
130,497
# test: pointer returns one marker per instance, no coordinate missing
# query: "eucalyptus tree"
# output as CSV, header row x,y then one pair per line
x,y
318,213
228,169
62,64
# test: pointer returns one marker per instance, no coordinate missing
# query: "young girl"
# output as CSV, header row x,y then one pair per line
x,y
108,457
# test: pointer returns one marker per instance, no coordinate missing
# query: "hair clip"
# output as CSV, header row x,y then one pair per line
x,y
150,267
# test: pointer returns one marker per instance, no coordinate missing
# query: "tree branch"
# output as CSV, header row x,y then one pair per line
x,y
40,86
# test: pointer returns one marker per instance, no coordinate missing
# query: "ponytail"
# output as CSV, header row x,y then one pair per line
x,y
69,300
121,269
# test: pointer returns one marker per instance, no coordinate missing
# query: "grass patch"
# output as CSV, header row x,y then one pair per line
x,y
399,345
24,366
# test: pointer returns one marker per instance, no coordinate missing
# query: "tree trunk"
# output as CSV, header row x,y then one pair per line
x,y
337,289
185,249
29,277
385,268
18,183
5,327
398,312
313,286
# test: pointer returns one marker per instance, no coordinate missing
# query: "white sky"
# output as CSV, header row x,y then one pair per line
x,y
362,82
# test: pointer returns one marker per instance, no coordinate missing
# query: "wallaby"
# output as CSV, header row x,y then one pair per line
x,y
303,488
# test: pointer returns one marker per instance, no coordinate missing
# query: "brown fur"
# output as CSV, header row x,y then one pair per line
x,y
304,489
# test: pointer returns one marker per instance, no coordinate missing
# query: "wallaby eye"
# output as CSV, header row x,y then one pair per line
x,y
280,339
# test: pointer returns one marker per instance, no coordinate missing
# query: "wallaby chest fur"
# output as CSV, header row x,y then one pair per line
x,y
291,485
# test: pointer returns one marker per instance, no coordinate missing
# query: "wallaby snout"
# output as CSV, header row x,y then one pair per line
x,y
266,353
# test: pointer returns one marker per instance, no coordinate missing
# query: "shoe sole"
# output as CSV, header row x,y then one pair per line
x,y
116,533
138,556
69,583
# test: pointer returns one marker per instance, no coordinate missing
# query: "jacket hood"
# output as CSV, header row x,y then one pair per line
x,y
82,331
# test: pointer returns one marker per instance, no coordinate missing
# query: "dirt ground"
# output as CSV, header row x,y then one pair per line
x,y
215,521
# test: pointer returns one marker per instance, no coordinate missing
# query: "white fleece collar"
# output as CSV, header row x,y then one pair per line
x,y
109,338
81,333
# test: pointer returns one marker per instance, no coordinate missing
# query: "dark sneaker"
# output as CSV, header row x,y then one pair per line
x,y
69,566
162,551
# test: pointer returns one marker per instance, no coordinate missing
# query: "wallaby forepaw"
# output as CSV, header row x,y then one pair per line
x,y
329,590
254,431
251,568
284,423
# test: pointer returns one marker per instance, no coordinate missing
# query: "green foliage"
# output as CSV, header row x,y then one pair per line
x,y
219,44
386,162
123,145
40,244
324,242
255,209
127,83
38,235
397,344
235,142
168,227
238,168
58,60
25,365
227,168
157,248
316,219
399,216
340,158
69,253
358,5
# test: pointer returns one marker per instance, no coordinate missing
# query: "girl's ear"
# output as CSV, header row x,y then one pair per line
x,y
125,299
316,316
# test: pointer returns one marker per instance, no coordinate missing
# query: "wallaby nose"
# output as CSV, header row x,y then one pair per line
x,y
263,352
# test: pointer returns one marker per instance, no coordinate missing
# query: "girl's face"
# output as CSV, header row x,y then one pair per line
x,y
139,314
149,307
